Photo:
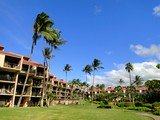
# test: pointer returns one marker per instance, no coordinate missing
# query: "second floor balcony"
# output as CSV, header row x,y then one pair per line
x,y
12,62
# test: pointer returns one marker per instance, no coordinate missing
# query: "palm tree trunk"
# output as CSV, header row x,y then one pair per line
x,y
24,85
130,87
93,84
66,77
86,78
44,85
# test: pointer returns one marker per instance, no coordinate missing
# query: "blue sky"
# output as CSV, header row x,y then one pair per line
x,y
114,31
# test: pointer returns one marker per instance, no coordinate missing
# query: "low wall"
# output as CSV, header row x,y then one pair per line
x,y
65,102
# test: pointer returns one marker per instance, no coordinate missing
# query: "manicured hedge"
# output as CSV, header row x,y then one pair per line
x,y
157,112
145,109
125,104
104,106
156,105
138,104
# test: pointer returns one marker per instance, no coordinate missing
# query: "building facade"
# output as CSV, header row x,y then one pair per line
x,y
13,71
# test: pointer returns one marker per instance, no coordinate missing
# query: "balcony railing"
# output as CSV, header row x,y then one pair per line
x,y
7,77
25,69
25,92
36,93
39,74
37,83
6,91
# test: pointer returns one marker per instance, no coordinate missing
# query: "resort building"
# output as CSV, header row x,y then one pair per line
x,y
139,89
13,71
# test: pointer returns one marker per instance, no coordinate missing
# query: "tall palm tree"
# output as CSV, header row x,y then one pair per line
x,y
129,68
87,69
42,27
84,86
96,65
138,80
67,68
47,54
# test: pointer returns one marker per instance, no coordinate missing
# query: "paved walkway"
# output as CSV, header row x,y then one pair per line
x,y
155,117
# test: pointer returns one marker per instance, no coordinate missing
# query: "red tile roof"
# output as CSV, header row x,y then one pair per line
x,y
110,88
32,63
11,54
141,88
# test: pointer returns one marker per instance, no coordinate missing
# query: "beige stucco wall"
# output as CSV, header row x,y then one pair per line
x,y
2,60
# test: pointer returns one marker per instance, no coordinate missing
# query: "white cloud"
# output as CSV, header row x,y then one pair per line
x,y
97,9
147,70
153,51
156,10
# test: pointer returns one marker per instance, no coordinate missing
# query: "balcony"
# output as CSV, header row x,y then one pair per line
x,y
7,77
21,80
37,83
12,62
26,91
25,69
6,89
40,71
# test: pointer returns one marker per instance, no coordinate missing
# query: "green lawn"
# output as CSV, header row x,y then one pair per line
x,y
68,112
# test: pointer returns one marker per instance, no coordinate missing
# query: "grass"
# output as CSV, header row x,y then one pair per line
x,y
69,112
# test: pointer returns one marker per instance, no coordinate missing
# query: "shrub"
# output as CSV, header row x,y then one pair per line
x,y
138,104
148,105
96,102
156,105
157,112
104,106
125,104
145,109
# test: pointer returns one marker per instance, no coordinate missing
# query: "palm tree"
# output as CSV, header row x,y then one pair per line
x,y
138,80
84,86
73,84
158,66
87,69
102,86
129,68
121,81
67,68
47,54
42,27
96,66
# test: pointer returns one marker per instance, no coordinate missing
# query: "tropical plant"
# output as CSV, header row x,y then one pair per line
x,y
138,80
100,86
75,85
158,66
87,69
129,68
43,26
47,54
96,65
121,81
66,69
